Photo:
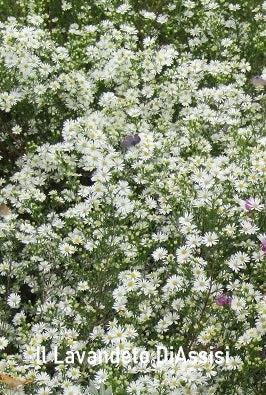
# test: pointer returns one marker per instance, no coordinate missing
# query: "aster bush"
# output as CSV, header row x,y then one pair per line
x,y
132,194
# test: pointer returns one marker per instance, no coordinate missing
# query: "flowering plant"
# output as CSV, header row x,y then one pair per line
x,y
132,197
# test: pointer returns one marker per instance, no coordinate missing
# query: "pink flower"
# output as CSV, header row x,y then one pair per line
x,y
222,299
262,239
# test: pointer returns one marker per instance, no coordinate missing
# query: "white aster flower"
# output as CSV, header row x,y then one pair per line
x,y
3,343
248,227
159,254
210,239
14,300
67,249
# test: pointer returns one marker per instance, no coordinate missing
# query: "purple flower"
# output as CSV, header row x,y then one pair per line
x,y
222,299
262,239
248,204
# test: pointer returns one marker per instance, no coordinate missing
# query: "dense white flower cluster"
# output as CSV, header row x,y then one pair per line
x,y
135,204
